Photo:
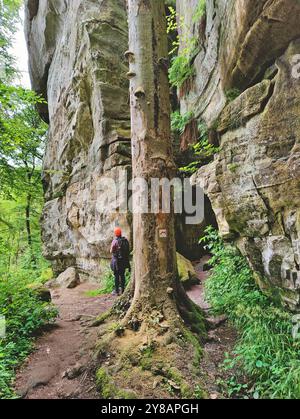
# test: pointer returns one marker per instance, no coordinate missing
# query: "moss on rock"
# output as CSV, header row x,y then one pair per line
x,y
108,389
186,271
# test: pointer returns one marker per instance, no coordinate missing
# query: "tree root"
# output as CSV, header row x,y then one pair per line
x,y
150,350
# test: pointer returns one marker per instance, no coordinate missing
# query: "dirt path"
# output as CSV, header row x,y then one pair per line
x,y
221,338
56,369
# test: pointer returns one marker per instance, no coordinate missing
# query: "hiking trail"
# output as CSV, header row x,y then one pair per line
x,y
57,367
60,366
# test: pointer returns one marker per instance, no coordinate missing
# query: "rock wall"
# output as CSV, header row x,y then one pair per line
x,y
76,51
77,62
252,46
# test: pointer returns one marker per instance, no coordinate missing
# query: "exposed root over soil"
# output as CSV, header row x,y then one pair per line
x,y
156,365
152,350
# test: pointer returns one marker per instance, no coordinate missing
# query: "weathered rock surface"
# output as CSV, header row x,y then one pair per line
x,y
68,279
76,54
254,182
77,62
187,272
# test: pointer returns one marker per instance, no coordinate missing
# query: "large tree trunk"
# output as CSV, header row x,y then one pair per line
x,y
155,268
156,283
153,330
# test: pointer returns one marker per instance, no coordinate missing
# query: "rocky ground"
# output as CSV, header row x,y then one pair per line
x,y
58,367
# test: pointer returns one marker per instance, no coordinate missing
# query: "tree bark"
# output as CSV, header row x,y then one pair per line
x,y
28,213
155,267
154,318
28,225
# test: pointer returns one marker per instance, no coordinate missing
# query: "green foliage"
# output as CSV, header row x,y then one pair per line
x,y
200,11
21,138
9,17
181,68
179,121
266,351
232,94
172,29
15,254
22,134
21,129
203,151
108,281
24,314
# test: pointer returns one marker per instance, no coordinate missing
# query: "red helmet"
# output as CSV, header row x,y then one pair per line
x,y
118,232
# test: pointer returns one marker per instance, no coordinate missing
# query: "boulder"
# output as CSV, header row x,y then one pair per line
x,y
186,270
68,279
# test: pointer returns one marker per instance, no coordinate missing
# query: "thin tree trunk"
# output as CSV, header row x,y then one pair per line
x,y
28,224
28,214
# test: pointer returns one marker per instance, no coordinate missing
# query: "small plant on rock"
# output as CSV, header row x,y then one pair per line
x,y
203,151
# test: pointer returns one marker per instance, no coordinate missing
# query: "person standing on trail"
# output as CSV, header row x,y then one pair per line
x,y
120,251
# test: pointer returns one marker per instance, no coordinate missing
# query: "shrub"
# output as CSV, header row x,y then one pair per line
x,y
24,315
179,121
181,70
182,67
203,151
266,351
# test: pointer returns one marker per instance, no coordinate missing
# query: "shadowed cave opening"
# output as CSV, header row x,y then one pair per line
x,y
188,236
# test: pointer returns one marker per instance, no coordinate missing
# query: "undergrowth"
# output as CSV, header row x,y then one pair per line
x,y
180,121
22,314
182,67
108,282
203,151
266,352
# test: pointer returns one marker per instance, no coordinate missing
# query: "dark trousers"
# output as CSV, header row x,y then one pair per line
x,y
119,279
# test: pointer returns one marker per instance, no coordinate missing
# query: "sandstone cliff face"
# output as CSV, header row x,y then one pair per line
x,y
77,62
254,182
76,51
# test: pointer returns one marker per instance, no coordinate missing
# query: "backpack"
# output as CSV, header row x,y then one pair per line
x,y
124,249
